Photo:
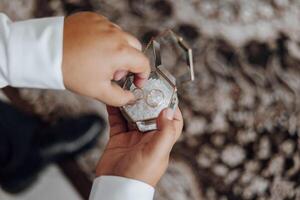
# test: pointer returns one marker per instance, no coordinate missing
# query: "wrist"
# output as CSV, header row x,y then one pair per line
x,y
142,174
127,188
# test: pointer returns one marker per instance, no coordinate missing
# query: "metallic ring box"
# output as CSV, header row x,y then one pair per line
x,y
160,90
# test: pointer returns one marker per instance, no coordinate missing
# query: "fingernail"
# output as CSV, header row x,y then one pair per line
x,y
169,113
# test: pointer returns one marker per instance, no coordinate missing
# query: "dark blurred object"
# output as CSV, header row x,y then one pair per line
x,y
73,6
163,7
258,53
28,144
188,31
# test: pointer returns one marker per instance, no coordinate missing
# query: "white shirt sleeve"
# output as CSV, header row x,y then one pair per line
x,y
31,56
120,188
31,53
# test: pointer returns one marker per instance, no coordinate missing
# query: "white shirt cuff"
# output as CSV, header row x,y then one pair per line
x,y
34,51
120,188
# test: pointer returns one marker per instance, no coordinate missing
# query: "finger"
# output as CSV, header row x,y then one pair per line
x,y
116,121
140,80
99,16
120,74
114,116
134,61
118,129
178,123
169,129
165,126
118,96
133,41
112,110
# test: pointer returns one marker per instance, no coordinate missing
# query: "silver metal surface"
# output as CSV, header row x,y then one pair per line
x,y
160,90
144,108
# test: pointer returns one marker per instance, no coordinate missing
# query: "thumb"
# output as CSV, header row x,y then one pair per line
x,y
118,96
166,135
164,119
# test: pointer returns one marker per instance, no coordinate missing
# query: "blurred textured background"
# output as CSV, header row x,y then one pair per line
x,y
242,119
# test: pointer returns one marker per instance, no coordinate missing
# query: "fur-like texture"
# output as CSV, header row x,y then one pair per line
x,y
51,104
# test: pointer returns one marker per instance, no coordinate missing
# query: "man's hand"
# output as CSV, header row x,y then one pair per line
x,y
140,156
96,52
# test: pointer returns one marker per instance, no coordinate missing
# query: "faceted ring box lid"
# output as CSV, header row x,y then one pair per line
x,y
160,90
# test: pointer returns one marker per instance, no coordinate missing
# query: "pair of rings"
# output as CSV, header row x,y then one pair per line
x,y
153,98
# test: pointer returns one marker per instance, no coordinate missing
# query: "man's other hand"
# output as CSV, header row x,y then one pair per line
x,y
140,156
96,53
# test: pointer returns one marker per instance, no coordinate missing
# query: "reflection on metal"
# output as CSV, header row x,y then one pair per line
x,y
160,90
